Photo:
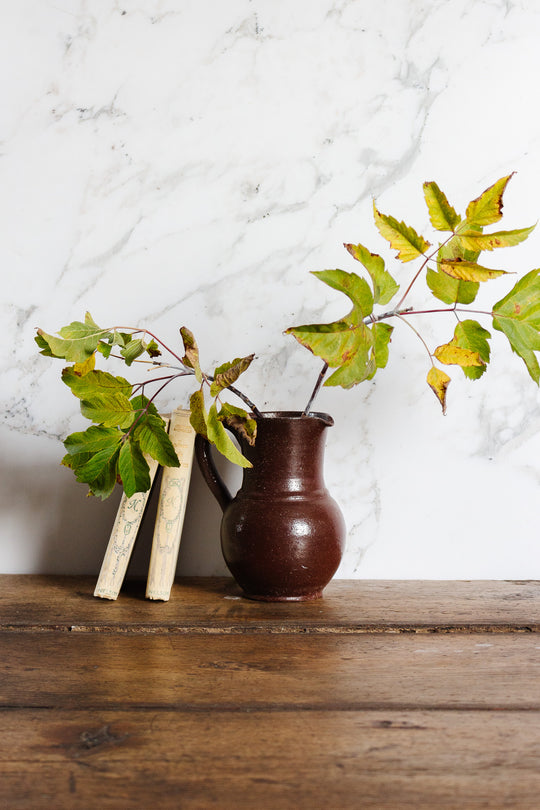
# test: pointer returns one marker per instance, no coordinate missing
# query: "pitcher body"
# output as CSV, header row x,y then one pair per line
x,y
282,535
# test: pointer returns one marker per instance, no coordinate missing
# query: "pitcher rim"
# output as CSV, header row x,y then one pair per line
x,y
292,415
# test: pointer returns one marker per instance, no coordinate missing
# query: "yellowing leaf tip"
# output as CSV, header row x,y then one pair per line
x,y
438,381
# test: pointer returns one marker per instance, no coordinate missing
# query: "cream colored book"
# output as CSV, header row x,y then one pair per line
x,y
171,509
122,540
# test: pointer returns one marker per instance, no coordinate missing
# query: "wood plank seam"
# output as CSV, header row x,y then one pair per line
x,y
249,629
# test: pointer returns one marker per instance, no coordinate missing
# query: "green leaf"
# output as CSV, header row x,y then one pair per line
x,y
99,464
43,344
468,271
384,286
92,439
76,350
517,315
89,321
110,410
355,287
77,341
472,240
75,460
382,334
198,416
360,367
239,421
487,208
469,348
441,214
471,335
211,427
79,330
336,343
140,403
409,244
523,300
524,340
344,344
154,440
191,357
227,374
105,349
94,382
99,472
438,381
452,290
153,349
92,457
219,436
133,468
132,350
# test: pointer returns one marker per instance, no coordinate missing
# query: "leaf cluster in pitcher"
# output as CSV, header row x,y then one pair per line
x,y
211,423
127,429
357,345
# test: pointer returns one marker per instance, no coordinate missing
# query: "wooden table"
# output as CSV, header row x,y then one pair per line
x,y
381,695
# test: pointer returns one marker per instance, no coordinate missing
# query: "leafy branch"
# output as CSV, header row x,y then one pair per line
x,y
127,428
357,344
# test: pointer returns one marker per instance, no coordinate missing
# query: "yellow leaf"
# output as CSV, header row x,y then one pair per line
x,y
89,364
487,208
471,240
438,381
468,271
409,244
451,354
443,217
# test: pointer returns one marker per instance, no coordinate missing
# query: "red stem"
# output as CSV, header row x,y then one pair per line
x,y
231,388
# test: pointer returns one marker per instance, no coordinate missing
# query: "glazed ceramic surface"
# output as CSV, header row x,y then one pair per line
x,y
282,535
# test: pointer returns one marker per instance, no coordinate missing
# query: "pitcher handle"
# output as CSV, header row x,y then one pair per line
x,y
210,473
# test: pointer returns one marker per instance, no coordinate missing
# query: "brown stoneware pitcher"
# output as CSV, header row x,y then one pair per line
x,y
282,535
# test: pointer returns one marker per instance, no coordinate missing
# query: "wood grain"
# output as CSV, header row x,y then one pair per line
x,y
260,672
418,760
390,696
214,605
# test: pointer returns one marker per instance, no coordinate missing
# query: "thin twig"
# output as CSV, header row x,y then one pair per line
x,y
187,370
145,409
169,377
418,335
161,343
315,391
448,309
244,398
392,313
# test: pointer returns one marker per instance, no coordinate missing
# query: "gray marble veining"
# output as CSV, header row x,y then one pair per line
x,y
167,163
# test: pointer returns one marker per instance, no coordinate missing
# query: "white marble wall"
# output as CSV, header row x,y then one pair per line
x,y
169,162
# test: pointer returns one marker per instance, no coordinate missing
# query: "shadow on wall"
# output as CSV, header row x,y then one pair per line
x,y
50,526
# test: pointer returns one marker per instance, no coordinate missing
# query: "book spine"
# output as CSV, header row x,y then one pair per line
x,y
122,540
171,509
